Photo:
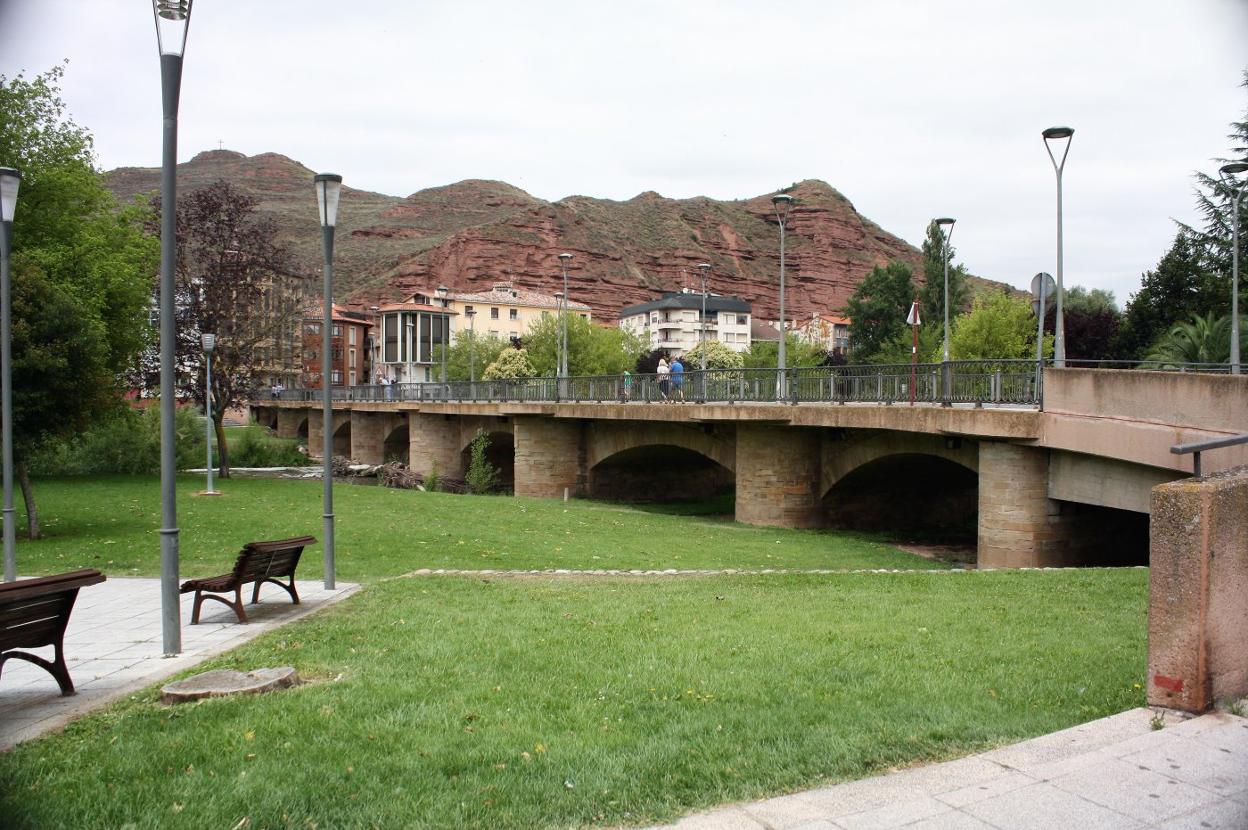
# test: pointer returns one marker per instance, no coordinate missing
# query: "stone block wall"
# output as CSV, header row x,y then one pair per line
x,y
778,475
550,456
1198,591
434,440
288,421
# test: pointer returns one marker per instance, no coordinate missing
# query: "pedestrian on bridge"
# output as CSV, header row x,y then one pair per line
x,y
678,379
665,376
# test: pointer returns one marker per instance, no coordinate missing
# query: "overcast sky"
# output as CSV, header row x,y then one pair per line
x,y
911,108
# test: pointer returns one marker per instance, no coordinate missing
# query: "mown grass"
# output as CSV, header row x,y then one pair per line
x,y
111,523
536,702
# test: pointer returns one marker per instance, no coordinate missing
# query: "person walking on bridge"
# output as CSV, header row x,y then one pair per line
x,y
678,379
665,374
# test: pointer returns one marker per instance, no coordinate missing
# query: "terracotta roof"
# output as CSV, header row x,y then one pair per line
x,y
824,318
338,314
415,307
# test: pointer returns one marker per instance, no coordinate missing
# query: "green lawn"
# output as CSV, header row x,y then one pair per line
x,y
501,702
518,702
111,523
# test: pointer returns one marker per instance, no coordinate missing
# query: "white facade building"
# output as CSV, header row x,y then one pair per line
x,y
673,322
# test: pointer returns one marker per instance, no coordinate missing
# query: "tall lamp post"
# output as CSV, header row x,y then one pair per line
x,y
9,181
783,204
328,189
1059,329
472,356
209,342
441,293
1229,172
563,319
173,19
946,222
704,268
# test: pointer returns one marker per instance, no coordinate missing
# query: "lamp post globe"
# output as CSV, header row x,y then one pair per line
x,y
173,20
1059,328
783,204
328,188
1229,173
10,181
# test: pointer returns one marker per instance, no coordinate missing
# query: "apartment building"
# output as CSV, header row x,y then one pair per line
x,y
674,322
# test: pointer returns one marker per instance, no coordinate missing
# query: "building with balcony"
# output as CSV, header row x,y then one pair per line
x,y
674,321
829,332
350,348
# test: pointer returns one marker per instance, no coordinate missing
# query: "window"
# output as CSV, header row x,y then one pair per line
x,y
390,350
515,335
493,313
335,378
586,317
742,320
420,299
337,331
494,332
351,334
312,328
467,309
352,362
338,352
513,314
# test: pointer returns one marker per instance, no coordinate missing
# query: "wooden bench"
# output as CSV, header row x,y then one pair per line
x,y
259,562
35,612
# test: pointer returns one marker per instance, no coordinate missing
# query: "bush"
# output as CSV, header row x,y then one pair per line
x,y
482,477
127,442
255,449
431,479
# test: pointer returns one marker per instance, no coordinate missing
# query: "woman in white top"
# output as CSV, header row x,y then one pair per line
x,y
665,377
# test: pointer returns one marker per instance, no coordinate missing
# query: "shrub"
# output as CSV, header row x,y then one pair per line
x,y
127,442
258,450
431,478
482,477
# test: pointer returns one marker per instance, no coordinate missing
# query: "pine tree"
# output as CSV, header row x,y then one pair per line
x,y
932,294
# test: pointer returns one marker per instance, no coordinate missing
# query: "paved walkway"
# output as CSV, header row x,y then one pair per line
x,y
113,647
1117,772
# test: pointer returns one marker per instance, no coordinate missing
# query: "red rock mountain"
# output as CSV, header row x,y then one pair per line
x,y
474,233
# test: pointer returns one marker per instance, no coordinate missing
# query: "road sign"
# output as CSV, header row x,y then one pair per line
x,y
1048,284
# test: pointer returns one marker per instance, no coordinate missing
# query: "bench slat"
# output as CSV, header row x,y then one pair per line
x,y
25,588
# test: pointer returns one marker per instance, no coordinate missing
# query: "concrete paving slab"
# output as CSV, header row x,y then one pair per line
x,y
114,646
1117,772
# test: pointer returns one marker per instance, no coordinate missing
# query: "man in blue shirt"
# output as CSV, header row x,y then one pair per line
x,y
678,379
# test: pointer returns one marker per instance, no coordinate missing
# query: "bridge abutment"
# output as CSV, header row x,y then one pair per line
x,y
550,456
778,475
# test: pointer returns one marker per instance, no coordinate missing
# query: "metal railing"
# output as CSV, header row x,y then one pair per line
x,y
1197,447
977,382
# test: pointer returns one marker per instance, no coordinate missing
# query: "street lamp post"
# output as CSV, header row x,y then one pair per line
x,y
472,355
1059,329
209,342
783,204
173,19
328,190
946,222
704,268
10,179
563,320
441,294
1229,171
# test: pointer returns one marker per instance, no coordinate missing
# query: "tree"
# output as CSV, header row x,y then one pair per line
x,y
718,356
1092,323
764,354
931,345
482,476
470,351
1200,339
877,309
998,327
1178,288
510,365
80,275
592,350
932,294
233,280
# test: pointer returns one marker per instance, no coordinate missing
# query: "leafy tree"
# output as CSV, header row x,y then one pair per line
x,y
648,362
1092,323
1086,300
718,356
482,476
232,278
877,309
932,294
470,350
1201,339
80,275
998,327
510,364
931,345
1178,288
592,350
764,354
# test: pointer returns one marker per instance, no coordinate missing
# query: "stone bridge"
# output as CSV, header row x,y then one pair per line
x,y
1069,484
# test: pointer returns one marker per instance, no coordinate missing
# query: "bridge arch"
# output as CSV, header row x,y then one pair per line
x,y
610,438
500,453
342,439
396,444
659,461
904,483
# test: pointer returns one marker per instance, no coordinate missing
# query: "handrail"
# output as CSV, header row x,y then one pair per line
x,y
1197,447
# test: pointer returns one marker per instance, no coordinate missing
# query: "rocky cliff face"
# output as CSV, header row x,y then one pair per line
x,y
472,234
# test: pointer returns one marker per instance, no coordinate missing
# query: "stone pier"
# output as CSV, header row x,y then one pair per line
x,y
778,475
550,456
433,443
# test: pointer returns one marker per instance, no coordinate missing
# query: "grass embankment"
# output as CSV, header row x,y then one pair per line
x,y
111,523
535,702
